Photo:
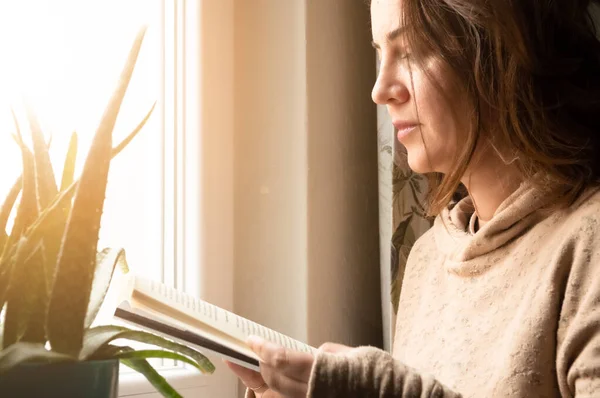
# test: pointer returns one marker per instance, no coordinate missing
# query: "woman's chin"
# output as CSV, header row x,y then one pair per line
x,y
419,164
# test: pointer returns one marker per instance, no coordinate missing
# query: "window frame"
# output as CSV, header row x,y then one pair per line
x,y
179,125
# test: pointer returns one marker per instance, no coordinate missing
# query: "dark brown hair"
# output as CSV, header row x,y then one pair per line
x,y
531,70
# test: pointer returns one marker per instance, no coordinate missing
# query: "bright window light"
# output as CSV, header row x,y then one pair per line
x,y
64,57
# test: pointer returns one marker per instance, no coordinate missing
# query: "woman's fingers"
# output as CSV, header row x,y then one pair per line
x,y
282,383
249,377
295,365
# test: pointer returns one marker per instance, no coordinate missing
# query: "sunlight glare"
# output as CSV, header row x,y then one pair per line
x,y
64,58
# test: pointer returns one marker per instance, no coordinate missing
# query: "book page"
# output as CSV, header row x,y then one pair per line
x,y
205,338
154,295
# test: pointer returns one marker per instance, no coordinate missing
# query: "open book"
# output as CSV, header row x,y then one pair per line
x,y
160,309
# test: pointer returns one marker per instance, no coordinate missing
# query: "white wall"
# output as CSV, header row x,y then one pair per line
x,y
342,192
289,168
306,213
271,164
215,160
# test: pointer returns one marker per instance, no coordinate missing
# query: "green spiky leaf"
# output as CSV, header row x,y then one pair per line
x,y
43,224
27,244
68,174
106,262
33,235
27,300
160,383
100,337
23,352
17,315
27,210
46,191
24,246
68,187
125,352
142,366
6,209
161,354
44,172
75,266
117,149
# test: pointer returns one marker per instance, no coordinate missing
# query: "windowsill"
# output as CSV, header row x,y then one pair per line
x,y
188,382
135,384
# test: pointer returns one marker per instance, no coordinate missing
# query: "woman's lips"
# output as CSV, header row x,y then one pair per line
x,y
404,128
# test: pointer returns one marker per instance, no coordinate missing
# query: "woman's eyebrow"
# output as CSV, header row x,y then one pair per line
x,y
391,36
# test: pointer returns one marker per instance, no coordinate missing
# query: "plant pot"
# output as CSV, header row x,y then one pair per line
x,y
92,379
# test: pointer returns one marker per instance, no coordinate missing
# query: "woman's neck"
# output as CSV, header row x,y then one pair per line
x,y
489,186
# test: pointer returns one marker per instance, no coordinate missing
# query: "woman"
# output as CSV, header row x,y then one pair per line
x,y
501,298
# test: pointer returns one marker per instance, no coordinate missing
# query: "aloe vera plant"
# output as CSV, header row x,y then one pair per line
x,y
53,279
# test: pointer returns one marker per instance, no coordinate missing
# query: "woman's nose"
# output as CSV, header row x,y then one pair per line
x,y
389,89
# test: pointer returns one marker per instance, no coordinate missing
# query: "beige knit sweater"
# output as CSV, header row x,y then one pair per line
x,y
512,310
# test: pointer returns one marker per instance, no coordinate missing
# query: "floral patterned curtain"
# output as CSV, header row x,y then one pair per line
x,y
401,217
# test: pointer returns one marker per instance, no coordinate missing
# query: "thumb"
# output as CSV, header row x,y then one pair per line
x,y
334,348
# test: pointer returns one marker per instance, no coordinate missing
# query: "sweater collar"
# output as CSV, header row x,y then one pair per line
x,y
454,228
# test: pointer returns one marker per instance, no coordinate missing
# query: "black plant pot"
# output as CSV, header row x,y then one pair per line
x,y
92,379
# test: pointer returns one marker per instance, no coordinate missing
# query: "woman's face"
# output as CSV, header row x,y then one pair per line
x,y
420,109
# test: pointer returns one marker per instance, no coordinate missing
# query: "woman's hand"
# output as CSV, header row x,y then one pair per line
x,y
252,380
283,373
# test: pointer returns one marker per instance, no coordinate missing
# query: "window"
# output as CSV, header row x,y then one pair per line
x,y
65,57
